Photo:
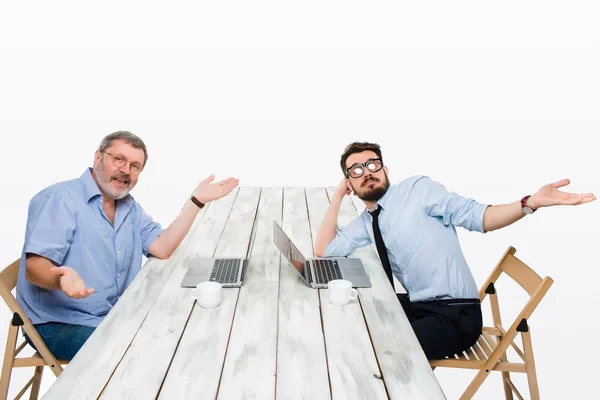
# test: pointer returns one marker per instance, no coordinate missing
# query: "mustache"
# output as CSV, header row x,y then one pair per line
x,y
368,179
122,177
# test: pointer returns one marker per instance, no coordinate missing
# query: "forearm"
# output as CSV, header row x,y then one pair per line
x,y
497,217
171,238
328,227
37,272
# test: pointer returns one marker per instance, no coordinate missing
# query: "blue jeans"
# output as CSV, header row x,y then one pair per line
x,y
63,340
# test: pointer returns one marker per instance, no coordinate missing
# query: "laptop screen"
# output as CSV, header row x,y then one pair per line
x,y
291,252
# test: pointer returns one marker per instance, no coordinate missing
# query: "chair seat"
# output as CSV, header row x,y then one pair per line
x,y
35,360
477,355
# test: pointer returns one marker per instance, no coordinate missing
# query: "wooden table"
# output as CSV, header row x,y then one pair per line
x,y
273,338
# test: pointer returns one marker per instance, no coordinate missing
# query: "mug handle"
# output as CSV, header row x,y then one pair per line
x,y
193,295
353,294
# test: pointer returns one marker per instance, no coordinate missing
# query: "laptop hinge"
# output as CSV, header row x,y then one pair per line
x,y
310,273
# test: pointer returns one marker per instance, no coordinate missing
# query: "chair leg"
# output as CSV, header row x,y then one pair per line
x,y
534,391
475,384
35,386
508,393
9,359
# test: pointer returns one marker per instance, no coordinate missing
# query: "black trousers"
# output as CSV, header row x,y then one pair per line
x,y
444,327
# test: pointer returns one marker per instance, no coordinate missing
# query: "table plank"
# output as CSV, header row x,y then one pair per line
x,y
141,372
91,368
405,369
353,368
301,360
250,368
196,368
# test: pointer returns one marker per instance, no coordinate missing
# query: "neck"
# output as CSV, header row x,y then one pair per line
x,y
108,201
371,205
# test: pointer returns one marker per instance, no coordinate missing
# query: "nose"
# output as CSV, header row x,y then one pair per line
x,y
126,168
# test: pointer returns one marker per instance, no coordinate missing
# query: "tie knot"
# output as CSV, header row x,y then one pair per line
x,y
375,213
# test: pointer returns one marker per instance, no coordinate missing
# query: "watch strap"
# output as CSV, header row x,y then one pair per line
x,y
524,203
197,202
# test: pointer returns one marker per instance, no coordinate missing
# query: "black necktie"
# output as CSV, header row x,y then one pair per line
x,y
383,255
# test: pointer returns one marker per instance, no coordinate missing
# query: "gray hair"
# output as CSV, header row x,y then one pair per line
x,y
127,137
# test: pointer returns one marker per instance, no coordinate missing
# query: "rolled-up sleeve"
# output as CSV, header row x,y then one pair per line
x,y
451,207
51,226
150,230
348,239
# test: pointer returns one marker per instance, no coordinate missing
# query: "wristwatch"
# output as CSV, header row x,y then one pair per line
x,y
526,209
197,202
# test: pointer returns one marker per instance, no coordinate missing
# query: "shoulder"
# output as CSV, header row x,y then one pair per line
x,y
415,182
69,192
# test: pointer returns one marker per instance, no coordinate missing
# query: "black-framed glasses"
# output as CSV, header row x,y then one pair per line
x,y
358,170
119,161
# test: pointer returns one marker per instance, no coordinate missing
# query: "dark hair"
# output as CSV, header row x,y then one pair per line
x,y
127,137
358,147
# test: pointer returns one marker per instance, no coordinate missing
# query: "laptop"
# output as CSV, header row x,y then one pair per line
x,y
229,272
316,273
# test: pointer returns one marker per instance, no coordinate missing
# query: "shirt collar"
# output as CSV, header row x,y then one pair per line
x,y
384,200
90,187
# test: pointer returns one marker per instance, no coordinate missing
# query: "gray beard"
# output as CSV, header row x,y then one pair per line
x,y
103,184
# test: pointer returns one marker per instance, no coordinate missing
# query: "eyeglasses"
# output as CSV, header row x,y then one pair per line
x,y
358,170
119,161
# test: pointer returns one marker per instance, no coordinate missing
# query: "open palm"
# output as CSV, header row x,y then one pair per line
x,y
549,195
71,283
207,191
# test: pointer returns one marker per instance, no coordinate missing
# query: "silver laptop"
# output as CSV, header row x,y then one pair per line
x,y
316,273
229,272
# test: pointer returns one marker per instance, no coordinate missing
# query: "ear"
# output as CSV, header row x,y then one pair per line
x,y
97,155
349,186
385,168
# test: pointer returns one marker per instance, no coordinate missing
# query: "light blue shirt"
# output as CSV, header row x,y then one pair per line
x,y
67,224
417,223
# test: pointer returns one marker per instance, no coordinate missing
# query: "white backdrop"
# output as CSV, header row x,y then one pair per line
x,y
493,100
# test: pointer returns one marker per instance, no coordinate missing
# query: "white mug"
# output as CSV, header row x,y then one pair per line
x,y
207,294
341,292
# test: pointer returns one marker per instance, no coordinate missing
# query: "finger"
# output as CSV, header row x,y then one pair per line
x,y
209,179
90,291
582,194
231,185
226,181
561,183
573,200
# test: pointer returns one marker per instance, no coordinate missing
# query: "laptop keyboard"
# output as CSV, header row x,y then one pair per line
x,y
225,270
326,270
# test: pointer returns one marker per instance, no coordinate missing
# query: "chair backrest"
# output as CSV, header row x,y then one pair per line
x,y
524,276
8,281
9,275
527,278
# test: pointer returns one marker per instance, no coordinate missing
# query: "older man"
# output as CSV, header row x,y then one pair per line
x,y
412,224
85,239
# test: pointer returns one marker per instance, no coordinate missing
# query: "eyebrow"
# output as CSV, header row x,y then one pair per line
x,y
120,155
359,163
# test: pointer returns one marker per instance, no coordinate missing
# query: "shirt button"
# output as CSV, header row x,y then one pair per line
x,y
118,275
118,251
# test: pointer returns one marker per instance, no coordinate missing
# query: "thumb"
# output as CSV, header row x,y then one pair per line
x,y
209,179
57,270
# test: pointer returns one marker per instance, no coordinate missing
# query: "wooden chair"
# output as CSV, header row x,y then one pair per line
x,y
489,353
43,357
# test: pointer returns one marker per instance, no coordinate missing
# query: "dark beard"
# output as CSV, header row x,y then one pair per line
x,y
377,193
